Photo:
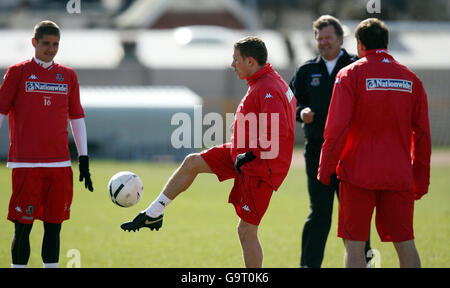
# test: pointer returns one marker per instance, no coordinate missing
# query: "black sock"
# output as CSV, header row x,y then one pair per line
x,y
50,243
20,246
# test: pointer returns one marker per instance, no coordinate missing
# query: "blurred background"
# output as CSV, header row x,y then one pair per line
x,y
141,61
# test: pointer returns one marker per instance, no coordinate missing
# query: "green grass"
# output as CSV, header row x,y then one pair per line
x,y
200,226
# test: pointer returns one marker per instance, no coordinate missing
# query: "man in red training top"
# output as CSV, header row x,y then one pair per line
x,y
377,139
257,158
39,96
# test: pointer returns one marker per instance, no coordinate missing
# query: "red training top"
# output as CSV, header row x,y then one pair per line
x,y
268,113
377,131
39,102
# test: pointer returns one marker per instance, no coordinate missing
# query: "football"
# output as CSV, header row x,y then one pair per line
x,y
125,188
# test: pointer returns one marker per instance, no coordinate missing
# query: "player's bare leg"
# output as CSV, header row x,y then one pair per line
x,y
183,177
180,181
251,248
354,254
407,254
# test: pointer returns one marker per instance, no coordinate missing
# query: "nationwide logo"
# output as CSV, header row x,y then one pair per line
x,y
42,87
388,84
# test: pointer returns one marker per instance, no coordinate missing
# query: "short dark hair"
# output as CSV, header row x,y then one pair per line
x,y
373,34
327,20
252,47
45,27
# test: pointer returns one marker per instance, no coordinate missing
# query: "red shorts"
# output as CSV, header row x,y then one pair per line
x,y
250,195
41,193
394,213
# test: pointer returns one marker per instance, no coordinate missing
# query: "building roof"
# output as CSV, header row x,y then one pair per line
x,y
138,97
151,14
96,48
203,47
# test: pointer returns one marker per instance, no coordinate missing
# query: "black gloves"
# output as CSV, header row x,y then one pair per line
x,y
298,113
243,158
83,165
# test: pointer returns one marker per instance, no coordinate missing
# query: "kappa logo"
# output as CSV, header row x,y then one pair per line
x,y
388,84
33,77
386,60
268,96
246,208
67,206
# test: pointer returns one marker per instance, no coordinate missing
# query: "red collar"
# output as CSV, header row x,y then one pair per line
x,y
377,51
252,79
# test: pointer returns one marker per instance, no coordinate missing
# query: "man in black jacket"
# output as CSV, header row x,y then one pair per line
x,y
312,85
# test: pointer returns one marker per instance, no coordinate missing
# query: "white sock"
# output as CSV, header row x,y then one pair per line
x,y
157,207
18,266
51,265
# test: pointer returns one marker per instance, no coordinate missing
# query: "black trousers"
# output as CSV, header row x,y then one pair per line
x,y
317,225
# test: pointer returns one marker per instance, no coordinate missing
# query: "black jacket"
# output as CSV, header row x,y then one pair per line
x,y
313,87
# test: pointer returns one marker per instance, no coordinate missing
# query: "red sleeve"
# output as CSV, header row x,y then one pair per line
x,y
9,87
272,124
338,120
421,143
75,109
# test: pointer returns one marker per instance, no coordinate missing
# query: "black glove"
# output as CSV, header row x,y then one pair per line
x,y
243,158
298,113
83,165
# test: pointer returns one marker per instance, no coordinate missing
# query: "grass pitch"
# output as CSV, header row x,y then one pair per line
x,y
199,227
